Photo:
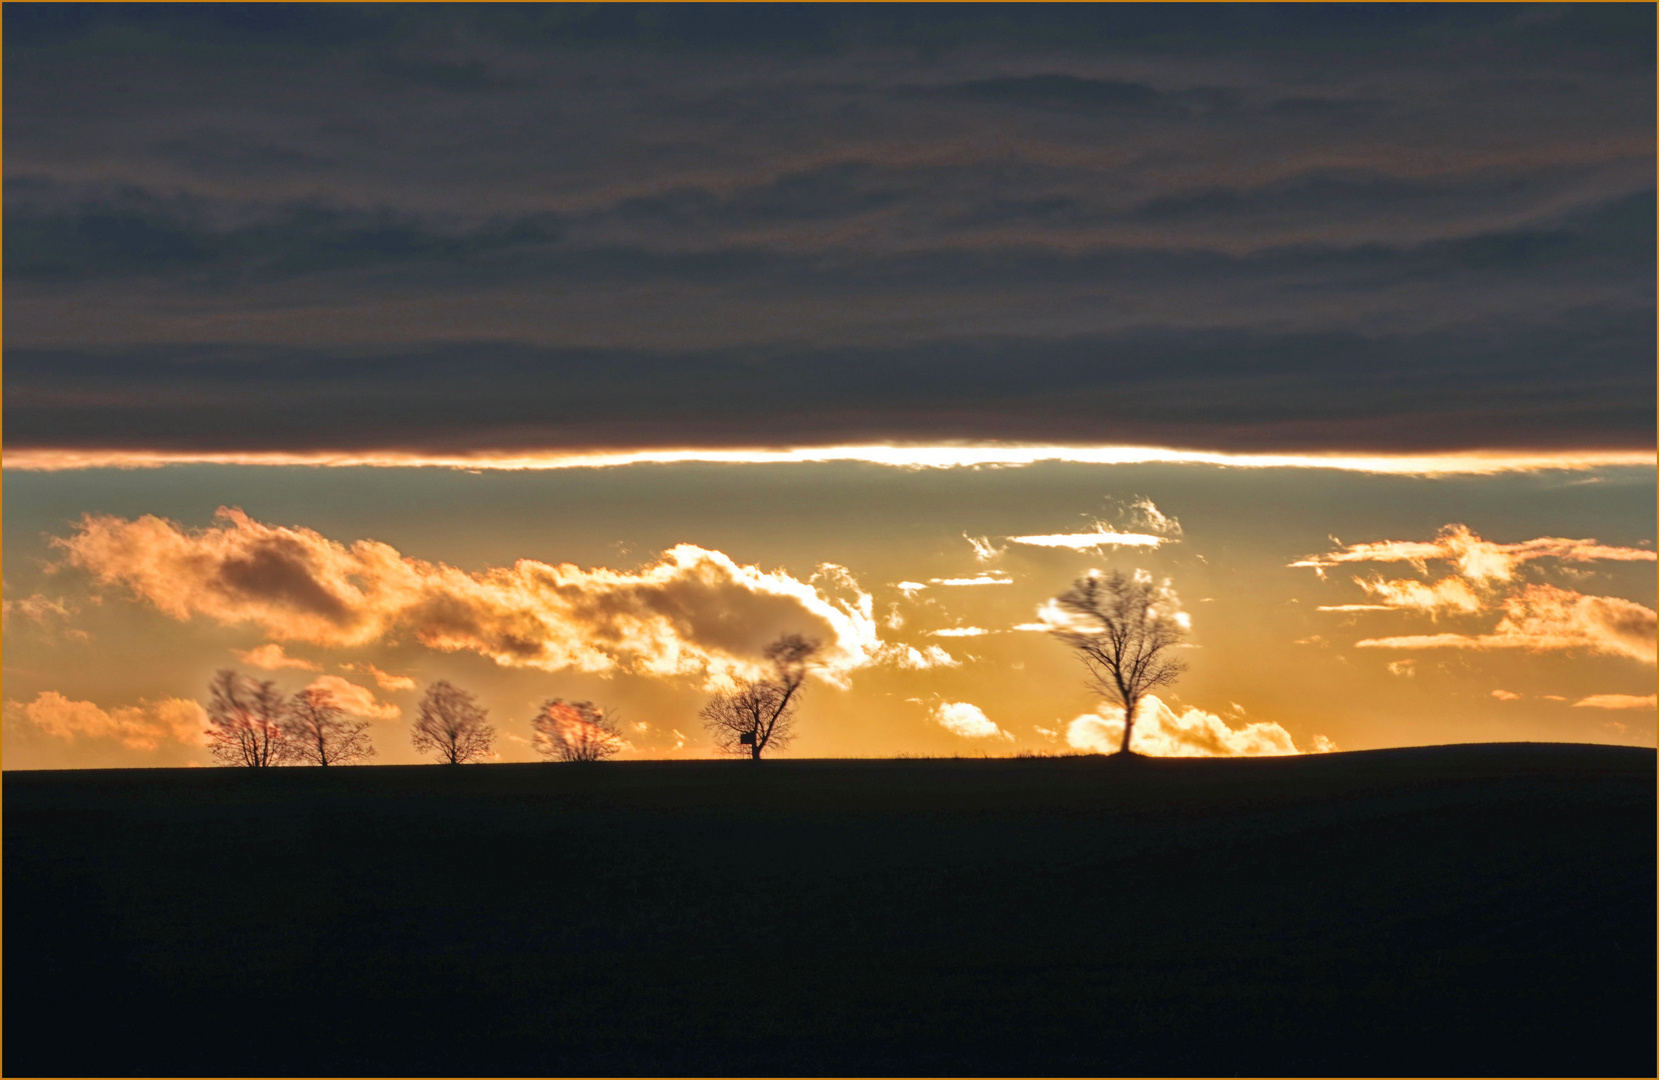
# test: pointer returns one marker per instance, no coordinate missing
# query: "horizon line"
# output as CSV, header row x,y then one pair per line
x,y
902,756
912,456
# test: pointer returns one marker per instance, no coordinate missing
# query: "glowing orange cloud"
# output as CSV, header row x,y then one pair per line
x,y
1450,594
1617,701
967,720
1476,559
1162,732
1544,618
141,727
270,657
38,608
910,658
693,611
1151,528
1535,617
385,680
354,699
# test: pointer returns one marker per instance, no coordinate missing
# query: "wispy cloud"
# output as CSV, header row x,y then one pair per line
x,y
978,579
354,699
270,657
1617,701
1090,541
1476,559
1135,523
1143,513
38,608
1448,594
911,658
385,680
1543,618
1485,578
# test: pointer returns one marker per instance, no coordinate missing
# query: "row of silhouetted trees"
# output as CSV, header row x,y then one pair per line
x,y
1120,627
252,723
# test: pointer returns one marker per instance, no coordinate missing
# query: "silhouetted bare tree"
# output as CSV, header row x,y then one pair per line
x,y
575,731
1121,628
760,713
451,724
320,732
245,721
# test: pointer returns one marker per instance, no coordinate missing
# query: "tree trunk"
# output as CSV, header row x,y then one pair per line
x,y
754,751
1128,726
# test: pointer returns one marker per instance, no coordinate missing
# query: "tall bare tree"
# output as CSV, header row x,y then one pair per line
x,y
246,721
320,732
760,713
575,731
1122,628
451,724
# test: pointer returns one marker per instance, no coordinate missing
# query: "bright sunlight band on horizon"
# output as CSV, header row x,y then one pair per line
x,y
947,456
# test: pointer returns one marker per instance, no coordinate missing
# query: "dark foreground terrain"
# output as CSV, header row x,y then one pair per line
x,y
1458,910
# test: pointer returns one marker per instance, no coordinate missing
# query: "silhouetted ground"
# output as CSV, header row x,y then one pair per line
x,y
1454,910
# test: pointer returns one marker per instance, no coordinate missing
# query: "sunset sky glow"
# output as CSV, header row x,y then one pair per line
x,y
580,354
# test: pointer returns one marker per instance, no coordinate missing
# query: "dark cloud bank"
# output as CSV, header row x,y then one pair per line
x,y
333,227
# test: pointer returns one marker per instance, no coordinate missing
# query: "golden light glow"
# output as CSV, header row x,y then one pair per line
x,y
1471,463
1090,540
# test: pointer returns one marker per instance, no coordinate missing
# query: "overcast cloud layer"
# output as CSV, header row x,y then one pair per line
x,y
457,230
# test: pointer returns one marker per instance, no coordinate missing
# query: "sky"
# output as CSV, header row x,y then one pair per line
x,y
580,352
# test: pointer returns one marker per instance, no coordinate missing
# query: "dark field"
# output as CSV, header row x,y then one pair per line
x,y
1458,910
